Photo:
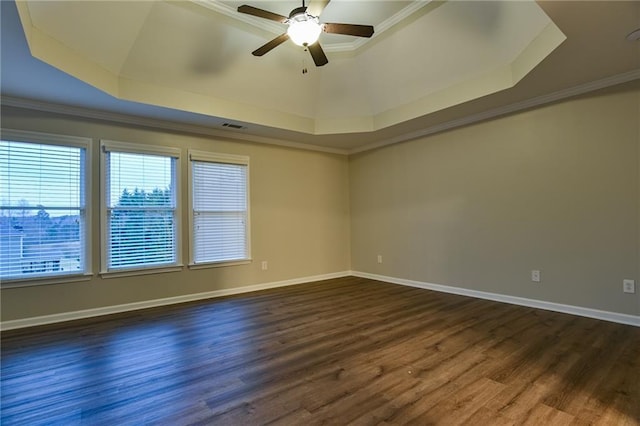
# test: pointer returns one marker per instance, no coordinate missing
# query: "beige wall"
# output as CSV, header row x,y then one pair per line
x,y
299,221
555,189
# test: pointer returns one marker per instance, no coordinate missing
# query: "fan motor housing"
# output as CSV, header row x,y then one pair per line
x,y
297,11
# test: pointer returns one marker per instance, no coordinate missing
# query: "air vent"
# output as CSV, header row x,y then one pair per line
x,y
233,126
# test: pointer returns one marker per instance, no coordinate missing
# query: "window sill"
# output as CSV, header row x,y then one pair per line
x,y
219,264
36,281
146,271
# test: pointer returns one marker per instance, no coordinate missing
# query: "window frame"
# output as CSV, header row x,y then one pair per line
x,y
211,157
85,144
107,146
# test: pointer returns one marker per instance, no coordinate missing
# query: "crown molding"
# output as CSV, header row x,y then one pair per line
x,y
231,12
275,28
504,110
153,123
380,28
246,137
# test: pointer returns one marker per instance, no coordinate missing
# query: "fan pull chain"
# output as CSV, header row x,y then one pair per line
x,y
304,63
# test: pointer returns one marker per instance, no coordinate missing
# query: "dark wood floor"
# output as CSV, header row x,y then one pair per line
x,y
344,351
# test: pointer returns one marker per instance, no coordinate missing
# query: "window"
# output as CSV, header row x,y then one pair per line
x,y
140,209
43,205
219,208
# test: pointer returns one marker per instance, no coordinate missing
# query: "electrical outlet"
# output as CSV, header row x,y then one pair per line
x,y
265,265
535,276
628,286
379,258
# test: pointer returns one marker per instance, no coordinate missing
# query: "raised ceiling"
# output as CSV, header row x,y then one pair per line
x,y
426,61
195,57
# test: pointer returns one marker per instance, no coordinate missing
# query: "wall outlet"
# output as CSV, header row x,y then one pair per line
x,y
379,258
628,286
535,276
265,265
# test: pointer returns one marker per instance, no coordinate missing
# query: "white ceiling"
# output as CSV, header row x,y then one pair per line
x,y
428,64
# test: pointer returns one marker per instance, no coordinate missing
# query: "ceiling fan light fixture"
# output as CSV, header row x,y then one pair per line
x,y
304,29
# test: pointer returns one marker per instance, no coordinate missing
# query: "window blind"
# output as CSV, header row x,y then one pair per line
x,y
141,210
42,209
220,211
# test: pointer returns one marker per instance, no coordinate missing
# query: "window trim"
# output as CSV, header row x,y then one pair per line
x,y
107,146
212,157
85,143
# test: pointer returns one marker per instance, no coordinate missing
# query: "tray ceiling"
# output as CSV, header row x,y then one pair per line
x,y
195,56
430,65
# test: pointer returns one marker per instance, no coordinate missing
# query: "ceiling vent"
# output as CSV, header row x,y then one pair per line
x,y
233,126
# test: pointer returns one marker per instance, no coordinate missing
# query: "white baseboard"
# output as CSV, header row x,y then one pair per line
x,y
88,313
532,303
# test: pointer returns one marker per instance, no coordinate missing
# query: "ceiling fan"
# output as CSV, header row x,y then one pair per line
x,y
305,28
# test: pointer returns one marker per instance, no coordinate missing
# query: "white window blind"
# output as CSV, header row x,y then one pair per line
x,y
42,208
141,208
220,213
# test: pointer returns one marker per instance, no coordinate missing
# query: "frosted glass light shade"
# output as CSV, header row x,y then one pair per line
x,y
305,32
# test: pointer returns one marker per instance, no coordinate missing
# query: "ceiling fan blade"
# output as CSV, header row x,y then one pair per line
x,y
319,58
261,13
316,7
349,29
271,45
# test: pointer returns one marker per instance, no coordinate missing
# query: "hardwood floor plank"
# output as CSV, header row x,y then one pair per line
x,y
542,414
344,351
462,405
